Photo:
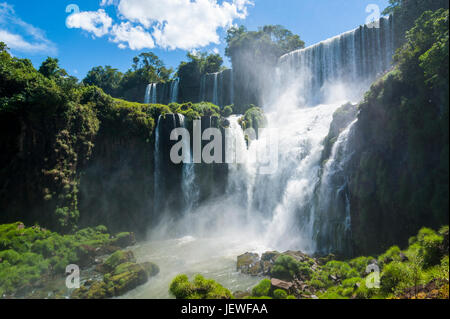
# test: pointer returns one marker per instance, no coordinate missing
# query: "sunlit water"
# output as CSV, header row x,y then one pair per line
x,y
214,258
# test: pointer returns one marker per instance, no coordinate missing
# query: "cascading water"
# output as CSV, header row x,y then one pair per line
x,y
157,168
191,193
353,60
174,88
217,88
332,205
215,99
148,92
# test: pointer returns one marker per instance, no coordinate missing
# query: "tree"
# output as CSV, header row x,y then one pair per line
x,y
265,45
3,47
106,78
213,63
50,68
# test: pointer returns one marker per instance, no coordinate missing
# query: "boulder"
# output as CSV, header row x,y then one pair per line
x,y
270,256
297,255
249,263
124,240
116,259
126,277
93,290
280,284
151,269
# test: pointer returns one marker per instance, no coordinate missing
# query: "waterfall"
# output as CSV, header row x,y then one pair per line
x,y
191,193
215,99
232,88
174,87
157,168
332,206
202,94
148,92
217,88
353,59
305,205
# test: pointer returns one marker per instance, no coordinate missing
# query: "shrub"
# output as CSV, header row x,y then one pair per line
x,y
280,294
360,264
200,288
262,289
287,268
181,288
430,247
395,276
392,254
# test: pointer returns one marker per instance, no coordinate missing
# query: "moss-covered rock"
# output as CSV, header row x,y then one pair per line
x,y
116,259
249,263
126,277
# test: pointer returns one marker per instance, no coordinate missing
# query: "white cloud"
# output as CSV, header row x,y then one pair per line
x,y
22,36
96,22
135,37
169,24
183,24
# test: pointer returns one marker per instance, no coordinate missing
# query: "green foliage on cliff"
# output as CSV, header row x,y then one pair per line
x,y
399,179
200,288
30,255
407,11
403,273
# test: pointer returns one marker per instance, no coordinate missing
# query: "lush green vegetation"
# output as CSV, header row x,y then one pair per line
x,y
402,176
420,271
406,12
146,68
31,255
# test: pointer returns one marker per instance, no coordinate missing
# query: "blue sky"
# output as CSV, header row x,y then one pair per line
x,y
124,28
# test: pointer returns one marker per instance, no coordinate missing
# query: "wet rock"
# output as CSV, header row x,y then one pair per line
x,y
151,269
270,256
297,255
93,290
241,294
124,240
249,263
126,277
116,259
280,284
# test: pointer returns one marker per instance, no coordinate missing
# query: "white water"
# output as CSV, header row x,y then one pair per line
x,y
151,94
191,193
157,169
174,88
